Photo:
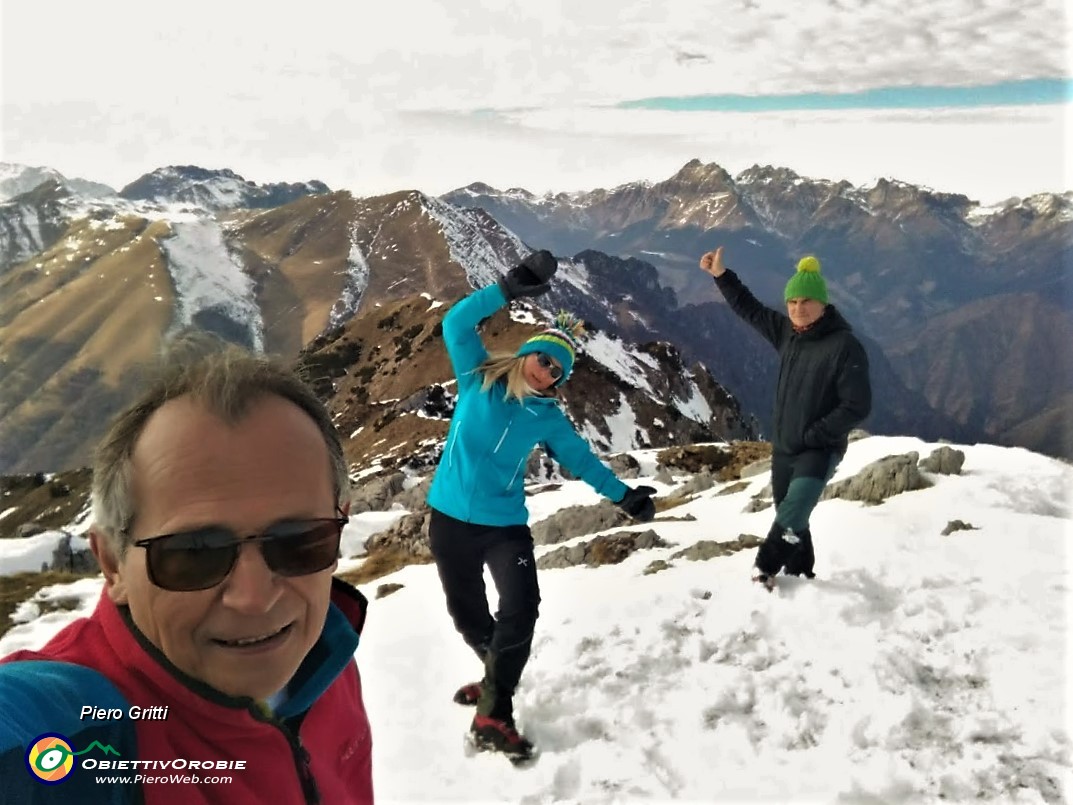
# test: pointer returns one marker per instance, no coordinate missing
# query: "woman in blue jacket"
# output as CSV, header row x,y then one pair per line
x,y
506,406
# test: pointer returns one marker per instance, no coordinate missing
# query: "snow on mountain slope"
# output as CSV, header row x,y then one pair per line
x,y
915,668
210,286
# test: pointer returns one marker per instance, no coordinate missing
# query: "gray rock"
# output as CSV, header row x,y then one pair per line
x,y
697,483
756,468
376,494
79,560
734,488
957,525
606,549
624,466
576,521
710,549
570,556
880,480
29,529
944,461
413,499
656,567
663,475
408,535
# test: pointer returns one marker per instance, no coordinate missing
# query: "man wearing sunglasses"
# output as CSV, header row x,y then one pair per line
x,y
219,498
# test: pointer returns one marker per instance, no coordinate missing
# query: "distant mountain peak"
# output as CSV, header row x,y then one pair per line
x,y
17,179
215,189
702,176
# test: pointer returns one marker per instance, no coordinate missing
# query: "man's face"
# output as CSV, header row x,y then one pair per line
x,y
192,470
804,312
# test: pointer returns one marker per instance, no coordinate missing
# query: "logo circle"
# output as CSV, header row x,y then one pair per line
x,y
50,758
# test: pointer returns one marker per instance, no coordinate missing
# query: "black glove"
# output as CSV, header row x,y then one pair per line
x,y
637,503
530,277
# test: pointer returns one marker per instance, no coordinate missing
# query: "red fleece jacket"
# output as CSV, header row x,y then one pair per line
x,y
322,754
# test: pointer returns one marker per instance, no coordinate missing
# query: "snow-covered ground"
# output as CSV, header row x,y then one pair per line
x,y
915,668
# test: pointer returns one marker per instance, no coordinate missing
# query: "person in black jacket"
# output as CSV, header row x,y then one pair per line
x,y
822,394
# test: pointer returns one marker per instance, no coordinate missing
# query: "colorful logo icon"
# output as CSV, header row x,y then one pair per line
x,y
51,759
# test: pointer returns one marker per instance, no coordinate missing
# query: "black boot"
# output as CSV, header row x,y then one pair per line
x,y
802,560
773,552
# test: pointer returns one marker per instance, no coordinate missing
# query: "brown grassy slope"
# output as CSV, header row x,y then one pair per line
x,y
299,256
65,356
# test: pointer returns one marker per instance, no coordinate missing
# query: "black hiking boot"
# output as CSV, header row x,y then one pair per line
x,y
803,560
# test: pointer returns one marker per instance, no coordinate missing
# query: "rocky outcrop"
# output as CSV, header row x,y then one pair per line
x,y
576,521
73,558
880,480
709,549
943,461
606,549
957,525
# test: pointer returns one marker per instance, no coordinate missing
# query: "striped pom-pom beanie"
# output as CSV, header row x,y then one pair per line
x,y
560,341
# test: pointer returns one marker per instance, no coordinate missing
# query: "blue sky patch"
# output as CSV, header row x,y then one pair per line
x,y
1029,92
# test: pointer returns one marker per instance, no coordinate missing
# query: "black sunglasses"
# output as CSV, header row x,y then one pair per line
x,y
554,369
200,559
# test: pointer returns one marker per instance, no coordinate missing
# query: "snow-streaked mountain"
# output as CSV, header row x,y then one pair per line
x,y
899,258
89,285
108,280
214,189
16,179
917,667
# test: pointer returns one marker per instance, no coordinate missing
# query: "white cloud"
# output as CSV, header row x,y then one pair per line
x,y
342,93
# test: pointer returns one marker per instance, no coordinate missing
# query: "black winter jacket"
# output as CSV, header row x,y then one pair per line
x,y
823,390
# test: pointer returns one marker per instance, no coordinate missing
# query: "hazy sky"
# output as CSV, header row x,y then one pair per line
x,y
434,95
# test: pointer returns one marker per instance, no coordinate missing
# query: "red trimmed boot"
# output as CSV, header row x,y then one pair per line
x,y
497,735
468,694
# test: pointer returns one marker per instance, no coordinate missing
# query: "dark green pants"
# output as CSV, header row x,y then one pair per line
x,y
797,482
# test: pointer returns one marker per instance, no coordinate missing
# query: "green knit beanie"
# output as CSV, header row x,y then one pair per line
x,y
807,282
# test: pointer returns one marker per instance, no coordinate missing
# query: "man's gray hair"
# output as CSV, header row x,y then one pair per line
x,y
226,380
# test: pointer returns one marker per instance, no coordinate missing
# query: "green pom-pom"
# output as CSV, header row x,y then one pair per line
x,y
810,264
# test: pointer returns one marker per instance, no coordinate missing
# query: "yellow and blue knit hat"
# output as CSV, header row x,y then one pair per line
x,y
561,342
807,282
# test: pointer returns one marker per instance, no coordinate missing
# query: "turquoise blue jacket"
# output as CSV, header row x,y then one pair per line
x,y
481,475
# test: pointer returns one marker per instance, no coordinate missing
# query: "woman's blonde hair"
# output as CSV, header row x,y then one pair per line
x,y
506,366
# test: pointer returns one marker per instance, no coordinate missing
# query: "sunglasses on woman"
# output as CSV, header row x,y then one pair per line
x,y
202,558
554,369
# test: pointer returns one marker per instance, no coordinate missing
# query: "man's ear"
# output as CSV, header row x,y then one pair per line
x,y
114,583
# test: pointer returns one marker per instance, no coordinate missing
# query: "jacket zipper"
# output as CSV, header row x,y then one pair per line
x,y
504,436
522,460
515,475
300,754
451,448
305,774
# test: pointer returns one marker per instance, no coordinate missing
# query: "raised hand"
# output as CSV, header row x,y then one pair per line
x,y
712,263
531,277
